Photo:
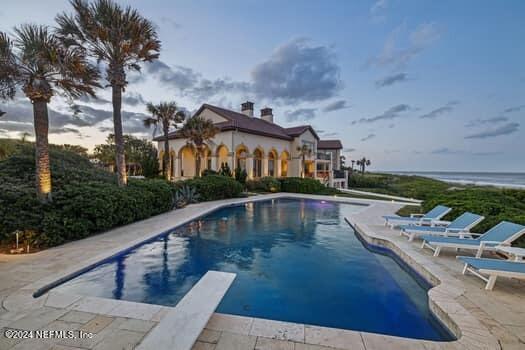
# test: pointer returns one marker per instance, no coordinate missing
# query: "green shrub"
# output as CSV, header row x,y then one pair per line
x,y
86,200
304,185
225,170
265,184
241,175
212,187
207,172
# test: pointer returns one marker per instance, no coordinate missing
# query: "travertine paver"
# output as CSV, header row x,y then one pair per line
x,y
234,341
203,346
273,344
336,338
277,330
230,323
498,315
209,336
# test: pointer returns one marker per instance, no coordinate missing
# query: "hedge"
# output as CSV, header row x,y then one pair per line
x,y
265,184
213,187
86,200
304,185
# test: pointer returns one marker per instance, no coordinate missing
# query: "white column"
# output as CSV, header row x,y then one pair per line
x,y
249,166
278,167
265,166
178,166
214,163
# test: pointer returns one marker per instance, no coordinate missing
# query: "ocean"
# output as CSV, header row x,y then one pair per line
x,y
506,180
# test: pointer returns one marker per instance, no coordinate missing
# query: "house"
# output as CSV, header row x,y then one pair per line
x,y
257,145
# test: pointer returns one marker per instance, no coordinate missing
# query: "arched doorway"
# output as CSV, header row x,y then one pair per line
x,y
187,160
241,155
272,165
258,155
284,163
222,156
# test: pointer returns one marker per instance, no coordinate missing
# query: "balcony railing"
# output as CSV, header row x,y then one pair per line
x,y
339,174
323,156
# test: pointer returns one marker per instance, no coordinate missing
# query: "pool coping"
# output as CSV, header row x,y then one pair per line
x,y
442,297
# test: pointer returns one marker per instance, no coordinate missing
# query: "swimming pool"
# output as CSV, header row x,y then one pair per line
x,y
295,260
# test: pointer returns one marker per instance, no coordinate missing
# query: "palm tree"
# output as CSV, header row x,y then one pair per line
x,y
353,162
304,151
121,38
37,62
363,163
167,114
198,131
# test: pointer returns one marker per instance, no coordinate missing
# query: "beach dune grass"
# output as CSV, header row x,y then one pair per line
x,y
496,204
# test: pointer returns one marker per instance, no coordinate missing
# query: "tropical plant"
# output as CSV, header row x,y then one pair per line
x,y
121,38
186,195
141,153
304,151
363,163
168,115
38,62
240,175
225,170
198,131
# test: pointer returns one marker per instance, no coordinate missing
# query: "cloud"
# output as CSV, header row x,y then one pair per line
x,y
297,71
493,120
448,151
325,133
506,129
171,22
368,137
336,105
133,99
378,9
514,109
445,151
349,150
391,80
449,107
391,113
397,56
19,117
300,114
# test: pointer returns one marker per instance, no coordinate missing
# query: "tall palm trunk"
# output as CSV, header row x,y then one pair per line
x,y
43,172
198,161
166,156
119,138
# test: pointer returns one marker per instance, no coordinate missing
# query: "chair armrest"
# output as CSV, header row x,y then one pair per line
x,y
417,215
484,243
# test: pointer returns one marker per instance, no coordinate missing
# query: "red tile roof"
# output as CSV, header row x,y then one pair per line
x,y
329,144
251,125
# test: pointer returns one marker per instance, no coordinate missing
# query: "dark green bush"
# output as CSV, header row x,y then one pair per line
x,y
212,187
303,185
241,175
86,200
208,172
265,184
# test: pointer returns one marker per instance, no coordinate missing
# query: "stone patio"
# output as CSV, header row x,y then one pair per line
x,y
481,319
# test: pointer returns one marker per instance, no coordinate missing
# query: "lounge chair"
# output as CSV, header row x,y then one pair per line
x,y
459,227
492,268
430,218
501,234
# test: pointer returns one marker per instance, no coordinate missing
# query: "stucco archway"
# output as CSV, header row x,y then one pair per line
x,y
272,163
187,161
241,156
285,159
222,154
258,156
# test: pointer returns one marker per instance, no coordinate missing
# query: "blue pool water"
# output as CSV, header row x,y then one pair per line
x,y
295,260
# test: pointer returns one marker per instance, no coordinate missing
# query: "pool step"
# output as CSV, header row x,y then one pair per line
x,y
182,325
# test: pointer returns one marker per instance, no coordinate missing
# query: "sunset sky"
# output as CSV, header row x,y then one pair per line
x,y
411,85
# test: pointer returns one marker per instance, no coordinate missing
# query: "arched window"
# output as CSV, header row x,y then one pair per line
x,y
284,164
241,159
222,156
271,164
257,163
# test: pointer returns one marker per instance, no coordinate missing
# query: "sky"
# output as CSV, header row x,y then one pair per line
x,y
410,85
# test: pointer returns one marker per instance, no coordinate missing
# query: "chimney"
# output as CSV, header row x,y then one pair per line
x,y
267,114
247,108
